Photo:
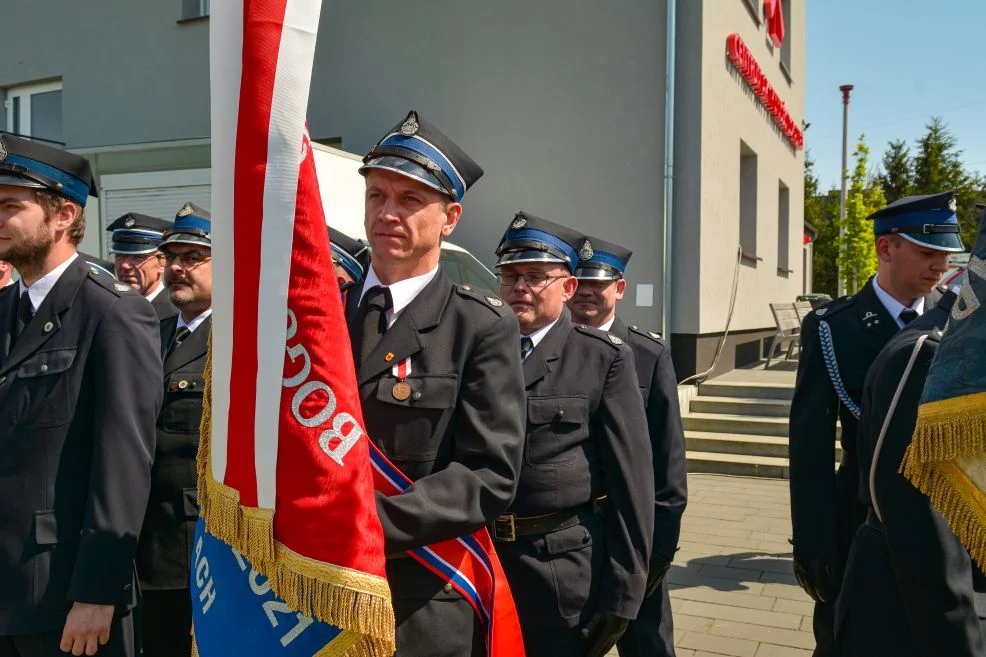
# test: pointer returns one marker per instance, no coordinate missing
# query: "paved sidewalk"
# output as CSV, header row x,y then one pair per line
x,y
732,588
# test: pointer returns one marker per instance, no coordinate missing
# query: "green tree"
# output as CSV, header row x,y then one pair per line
x,y
896,176
857,255
938,168
821,213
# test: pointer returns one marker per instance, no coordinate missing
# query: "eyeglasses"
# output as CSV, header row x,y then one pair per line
x,y
188,259
532,280
135,259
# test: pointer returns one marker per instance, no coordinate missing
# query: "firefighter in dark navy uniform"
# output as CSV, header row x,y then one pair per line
x,y
910,587
601,287
577,563
350,259
839,342
164,552
134,245
79,366
439,380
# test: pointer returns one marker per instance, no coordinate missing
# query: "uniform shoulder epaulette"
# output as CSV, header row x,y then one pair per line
x,y
835,306
656,337
602,336
494,303
109,283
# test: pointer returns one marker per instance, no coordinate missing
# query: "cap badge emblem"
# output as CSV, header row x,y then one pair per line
x,y
186,210
615,340
410,126
586,252
952,205
129,222
821,311
519,223
493,301
121,287
3,150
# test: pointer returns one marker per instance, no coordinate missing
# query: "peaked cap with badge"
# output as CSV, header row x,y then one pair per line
x,y
418,150
350,254
193,225
927,220
532,239
26,163
135,234
607,262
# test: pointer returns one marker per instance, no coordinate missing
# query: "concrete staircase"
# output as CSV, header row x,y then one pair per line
x,y
739,428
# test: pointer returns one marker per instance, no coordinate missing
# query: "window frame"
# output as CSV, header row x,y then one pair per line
x,y
24,92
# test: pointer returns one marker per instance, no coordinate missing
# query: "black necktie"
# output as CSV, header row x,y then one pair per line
x,y
908,315
526,347
25,312
378,301
180,336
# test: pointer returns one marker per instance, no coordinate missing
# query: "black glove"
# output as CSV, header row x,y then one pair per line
x,y
601,633
659,567
820,578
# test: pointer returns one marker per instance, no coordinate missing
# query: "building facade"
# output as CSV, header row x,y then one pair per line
x,y
563,102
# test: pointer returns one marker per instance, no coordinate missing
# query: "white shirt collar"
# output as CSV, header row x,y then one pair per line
x,y
539,334
157,291
607,325
402,292
195,323
43,285
893,306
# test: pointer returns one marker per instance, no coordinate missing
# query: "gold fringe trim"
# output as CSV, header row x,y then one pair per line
x,y
358,603
946,430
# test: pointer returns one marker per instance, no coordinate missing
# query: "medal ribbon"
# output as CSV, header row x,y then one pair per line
x,y
402,369
468,563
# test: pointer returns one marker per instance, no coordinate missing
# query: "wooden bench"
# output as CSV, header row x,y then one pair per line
x,y
788,330
803,308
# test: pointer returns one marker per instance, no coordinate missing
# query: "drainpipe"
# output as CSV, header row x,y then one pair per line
x,y
666,222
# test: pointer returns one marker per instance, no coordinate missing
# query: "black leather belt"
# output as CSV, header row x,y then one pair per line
x,y
509,527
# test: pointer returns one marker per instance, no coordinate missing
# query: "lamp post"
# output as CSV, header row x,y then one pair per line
x,y
845,89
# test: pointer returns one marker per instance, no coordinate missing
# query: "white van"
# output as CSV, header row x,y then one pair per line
x,y
342,188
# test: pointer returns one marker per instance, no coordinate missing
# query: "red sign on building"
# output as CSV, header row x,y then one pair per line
x,y
774,14
743,60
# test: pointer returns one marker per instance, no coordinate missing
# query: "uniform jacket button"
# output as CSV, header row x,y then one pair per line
x,y
2,379
417,395
44,367
560,414
447,588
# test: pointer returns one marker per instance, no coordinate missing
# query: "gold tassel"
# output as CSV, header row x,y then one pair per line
x,y
356,602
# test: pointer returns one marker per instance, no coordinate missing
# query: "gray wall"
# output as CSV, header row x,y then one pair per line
x,y
560,101
130,72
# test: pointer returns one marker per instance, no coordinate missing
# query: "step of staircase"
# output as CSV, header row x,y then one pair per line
x,y
746,390
732,423
709,442
738,464
741,406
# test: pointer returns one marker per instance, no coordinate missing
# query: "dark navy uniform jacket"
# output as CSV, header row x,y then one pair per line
x,y
79,394
910,588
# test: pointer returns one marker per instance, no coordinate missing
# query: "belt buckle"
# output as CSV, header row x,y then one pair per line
x,y
504,529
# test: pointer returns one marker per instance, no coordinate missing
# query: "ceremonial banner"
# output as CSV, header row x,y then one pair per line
x,y
288,558
947,458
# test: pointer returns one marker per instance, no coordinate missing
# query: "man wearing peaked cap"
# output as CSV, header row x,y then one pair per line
x,y
350,257
78,400
165,548
601,287
839,342
576,562
137,260
439,380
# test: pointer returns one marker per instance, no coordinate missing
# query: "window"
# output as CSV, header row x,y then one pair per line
x,y
192,9
35,110
748,204
754,9
783,230
461,267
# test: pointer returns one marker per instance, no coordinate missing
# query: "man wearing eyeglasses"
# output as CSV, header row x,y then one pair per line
x,y
576,541
164,551
137,260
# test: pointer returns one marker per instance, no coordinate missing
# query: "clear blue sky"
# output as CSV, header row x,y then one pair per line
x,y
909,60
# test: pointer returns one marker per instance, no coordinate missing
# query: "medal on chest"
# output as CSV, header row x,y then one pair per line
x,y
402,389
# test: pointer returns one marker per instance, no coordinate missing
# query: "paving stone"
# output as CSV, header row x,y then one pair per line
x,y
780,578
770,650
785,591
728,572
750,600
763,634
718,645
806,608
687,623
741,615
681,578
